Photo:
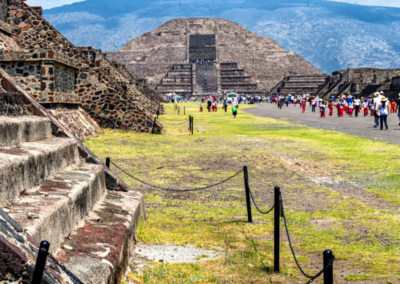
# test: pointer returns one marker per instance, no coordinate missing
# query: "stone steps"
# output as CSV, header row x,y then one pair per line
x,y
17,130
53,210
28,165
99,250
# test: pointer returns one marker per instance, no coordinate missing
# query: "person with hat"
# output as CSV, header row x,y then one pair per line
x,y
351,107
384,112
376,103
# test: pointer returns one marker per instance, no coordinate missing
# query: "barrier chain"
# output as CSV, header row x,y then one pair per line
x,y
179,123
175,190
258,209
312,278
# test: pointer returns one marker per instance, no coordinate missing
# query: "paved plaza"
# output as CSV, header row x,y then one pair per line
x,y
360,126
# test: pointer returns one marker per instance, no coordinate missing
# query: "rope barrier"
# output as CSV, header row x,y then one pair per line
x,y
180,123
175,190
258,209
312,278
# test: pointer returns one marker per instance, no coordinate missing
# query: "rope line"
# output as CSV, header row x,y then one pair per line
x,y
259,210
180,123
312,278
175,190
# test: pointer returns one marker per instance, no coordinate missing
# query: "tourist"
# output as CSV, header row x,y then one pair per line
x,y
225,104
303,105
313,105
234,111
376,102
209,105
365,107
398,108
322,109
393,106
383,111
357,104
201,107
330,106
351,107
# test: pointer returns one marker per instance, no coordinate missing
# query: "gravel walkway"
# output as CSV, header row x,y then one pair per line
x,y
359,126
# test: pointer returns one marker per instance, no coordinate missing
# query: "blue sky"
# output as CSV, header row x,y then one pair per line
x,y
47,4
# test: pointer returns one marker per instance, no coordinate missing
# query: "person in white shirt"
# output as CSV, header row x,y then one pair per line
x,y
377,102
383,109
357,104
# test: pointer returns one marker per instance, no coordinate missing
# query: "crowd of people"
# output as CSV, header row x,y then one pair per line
x,y
376,105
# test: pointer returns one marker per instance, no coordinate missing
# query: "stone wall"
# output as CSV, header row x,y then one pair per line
x,y
64,78
4,10
371,75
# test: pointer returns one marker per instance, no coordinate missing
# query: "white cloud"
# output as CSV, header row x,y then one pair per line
x,y
388,3
47,4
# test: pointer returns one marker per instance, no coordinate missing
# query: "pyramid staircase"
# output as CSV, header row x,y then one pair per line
x,y
55,195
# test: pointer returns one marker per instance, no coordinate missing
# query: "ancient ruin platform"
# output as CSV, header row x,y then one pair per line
x,y
28,165
17,130
99,250
52,210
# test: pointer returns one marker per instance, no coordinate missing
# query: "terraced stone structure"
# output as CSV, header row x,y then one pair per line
x,y
360,82
155,53
66,79
53,188
300,85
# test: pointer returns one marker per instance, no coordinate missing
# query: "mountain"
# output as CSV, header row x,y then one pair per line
x,y
330,35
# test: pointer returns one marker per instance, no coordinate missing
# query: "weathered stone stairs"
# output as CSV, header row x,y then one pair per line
x,y
56,196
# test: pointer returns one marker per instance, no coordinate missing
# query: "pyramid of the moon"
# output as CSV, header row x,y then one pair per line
x,y
259,62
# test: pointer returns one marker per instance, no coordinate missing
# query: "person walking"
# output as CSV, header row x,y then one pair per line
x,y
225,103
313,105
357,104
303,105
376,103
234,111
330,106
384,112
209,105
322,108
398,108
351,107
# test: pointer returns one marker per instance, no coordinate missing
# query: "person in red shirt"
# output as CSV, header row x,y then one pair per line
x,y
330,106
393,106
322,107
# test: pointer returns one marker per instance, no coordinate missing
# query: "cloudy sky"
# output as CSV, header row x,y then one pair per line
x,y
47,4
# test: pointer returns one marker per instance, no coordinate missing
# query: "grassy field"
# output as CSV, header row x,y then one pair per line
x,y
340,192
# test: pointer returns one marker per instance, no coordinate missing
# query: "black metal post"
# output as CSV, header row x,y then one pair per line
x,y
328,274
154,124
108,162
277,216
40,262
247,189
190,123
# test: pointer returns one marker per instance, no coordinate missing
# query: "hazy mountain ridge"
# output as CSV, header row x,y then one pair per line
x,y
330,35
